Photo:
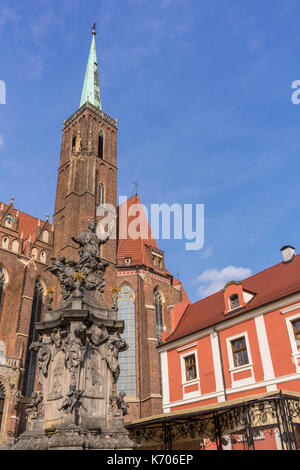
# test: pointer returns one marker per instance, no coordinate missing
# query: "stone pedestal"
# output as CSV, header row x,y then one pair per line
x,y
78,364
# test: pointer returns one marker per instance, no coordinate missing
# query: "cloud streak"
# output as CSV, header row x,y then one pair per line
x,y
213,280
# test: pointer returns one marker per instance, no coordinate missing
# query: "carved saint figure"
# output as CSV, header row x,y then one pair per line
x,y
97,334
89,244
73,348
121,403
72,400
114,345
43,356
36,399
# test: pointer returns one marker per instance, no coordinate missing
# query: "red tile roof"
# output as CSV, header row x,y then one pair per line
x,y
135,249
27,224
269,285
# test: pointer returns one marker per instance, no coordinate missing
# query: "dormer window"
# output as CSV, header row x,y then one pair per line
x,y
234,302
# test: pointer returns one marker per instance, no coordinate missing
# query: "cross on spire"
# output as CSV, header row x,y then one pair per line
x,y
136,185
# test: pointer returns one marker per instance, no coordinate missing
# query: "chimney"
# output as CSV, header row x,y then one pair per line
x,y
288,253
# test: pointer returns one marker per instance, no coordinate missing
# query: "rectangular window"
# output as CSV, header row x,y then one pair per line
x,y
239,352
190,367
296,328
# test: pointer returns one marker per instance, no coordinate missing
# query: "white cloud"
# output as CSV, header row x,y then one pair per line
x,y
1,141
212,280
207,252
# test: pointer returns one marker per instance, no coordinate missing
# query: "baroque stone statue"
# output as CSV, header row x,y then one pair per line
x,y
78,360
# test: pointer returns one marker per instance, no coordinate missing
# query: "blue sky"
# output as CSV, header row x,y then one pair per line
x,y
202,93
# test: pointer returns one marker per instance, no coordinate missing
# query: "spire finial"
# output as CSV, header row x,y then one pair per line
x,y
91,87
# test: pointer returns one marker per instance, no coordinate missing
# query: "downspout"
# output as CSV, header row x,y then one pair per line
x,y
139,336
221,361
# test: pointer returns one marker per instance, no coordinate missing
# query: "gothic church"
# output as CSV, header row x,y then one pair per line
x,y
147,292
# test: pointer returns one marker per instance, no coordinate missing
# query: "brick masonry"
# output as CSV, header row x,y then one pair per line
x,y
80,174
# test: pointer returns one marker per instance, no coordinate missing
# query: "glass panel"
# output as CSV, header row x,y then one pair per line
x,y
126,312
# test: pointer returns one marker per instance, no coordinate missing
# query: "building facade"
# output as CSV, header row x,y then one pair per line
x,y
87,179
239,342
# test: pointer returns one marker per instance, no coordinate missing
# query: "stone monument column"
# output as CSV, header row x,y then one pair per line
x,y
78,348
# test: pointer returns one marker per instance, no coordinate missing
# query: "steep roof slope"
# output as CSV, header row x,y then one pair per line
x,y
269,285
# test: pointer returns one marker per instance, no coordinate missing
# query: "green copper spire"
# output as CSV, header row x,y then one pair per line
x,y
91,87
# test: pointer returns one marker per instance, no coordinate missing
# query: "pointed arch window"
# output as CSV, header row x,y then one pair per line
x,y
31,357
2,283
100,144
74,140
126,312
2,399
158,313
101,195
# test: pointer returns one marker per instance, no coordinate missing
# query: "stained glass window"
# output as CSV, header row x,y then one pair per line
x,y
158,314
101,195
127,379
30,362
2,282
2,398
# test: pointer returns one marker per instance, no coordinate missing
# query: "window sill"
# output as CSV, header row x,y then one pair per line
x,y
190,382
241,368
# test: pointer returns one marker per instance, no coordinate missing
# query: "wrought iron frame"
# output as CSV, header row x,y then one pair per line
x,y
281,409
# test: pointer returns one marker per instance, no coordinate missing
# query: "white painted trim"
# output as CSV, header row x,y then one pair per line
x,y
228,322
150,307
165,378
229,391
233,369
290,309
188,346
295,351
264,349
217,363
186,401
187,383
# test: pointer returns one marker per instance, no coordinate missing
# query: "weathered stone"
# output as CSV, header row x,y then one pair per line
x,y
77,354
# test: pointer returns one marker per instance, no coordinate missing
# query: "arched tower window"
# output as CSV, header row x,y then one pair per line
x,y
74,140
45,236
31,357
100,144
2,399
127,380
2,283
5,242
15,246
101,195
158,313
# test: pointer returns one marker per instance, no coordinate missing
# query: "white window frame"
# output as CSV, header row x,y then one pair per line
x,y
295,352
186,382
229,302
232,368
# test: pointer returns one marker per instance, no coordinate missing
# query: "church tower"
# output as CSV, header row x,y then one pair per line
x,y
87,174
